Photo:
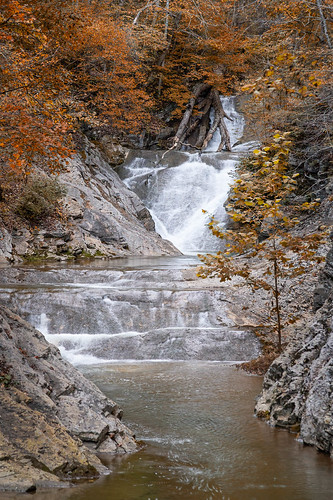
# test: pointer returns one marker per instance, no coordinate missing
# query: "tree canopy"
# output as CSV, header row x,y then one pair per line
x,y
130,65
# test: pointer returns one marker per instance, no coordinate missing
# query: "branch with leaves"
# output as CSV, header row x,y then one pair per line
x,y
261,206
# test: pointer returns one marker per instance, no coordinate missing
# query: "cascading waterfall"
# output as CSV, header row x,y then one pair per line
x,y
113,313
177,191
193,415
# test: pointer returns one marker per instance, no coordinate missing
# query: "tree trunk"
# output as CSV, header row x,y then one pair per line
x,y
218,123
181,132
277,305
323,23
196,130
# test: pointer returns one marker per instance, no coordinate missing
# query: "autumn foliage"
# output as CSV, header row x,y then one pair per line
x,y
62,63
262,207
127,66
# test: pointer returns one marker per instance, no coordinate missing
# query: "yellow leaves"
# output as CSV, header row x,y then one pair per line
x,y
309,205
303,91
236,217
285,56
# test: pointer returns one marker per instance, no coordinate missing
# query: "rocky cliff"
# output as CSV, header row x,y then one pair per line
x,y
298,388
53,420
100,216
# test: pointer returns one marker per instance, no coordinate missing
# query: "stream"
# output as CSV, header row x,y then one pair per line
x,y
162,345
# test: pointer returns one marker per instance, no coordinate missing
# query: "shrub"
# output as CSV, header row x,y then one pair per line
x,y
39,198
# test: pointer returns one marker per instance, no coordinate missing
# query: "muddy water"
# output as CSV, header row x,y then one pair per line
x,y
194,417
201,440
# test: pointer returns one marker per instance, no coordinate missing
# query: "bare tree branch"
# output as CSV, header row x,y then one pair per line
x,y
323,23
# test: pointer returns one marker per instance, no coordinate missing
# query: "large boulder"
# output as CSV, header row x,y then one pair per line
x,y
53,420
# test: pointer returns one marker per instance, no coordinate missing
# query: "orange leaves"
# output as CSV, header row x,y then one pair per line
x,y
61,62
186,42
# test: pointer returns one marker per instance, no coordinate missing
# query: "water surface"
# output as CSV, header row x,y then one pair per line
x,y
201,439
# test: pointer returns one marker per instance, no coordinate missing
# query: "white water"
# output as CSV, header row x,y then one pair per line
x,y
177,194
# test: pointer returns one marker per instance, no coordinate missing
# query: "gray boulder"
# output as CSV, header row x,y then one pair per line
x,y
51,415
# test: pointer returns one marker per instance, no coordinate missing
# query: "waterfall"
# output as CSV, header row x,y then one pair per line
x,y
150,309
178,189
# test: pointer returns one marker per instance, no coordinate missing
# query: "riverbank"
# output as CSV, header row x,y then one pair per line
x,y
99,216
297,389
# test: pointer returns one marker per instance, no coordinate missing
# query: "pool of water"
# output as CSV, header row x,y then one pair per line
x,y
194,418
200,439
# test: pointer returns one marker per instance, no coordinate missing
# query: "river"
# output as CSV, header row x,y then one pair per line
x,y
162,345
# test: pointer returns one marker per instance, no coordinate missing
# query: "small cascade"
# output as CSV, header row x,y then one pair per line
x,y
178,189
149,314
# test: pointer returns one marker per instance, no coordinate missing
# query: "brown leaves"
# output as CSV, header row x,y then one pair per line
x,y
61,63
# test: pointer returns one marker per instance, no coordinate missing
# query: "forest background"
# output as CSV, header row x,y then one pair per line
x,y
130,68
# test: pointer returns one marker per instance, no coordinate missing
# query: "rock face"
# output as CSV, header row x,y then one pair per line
x,y
51,416
101,217
298,387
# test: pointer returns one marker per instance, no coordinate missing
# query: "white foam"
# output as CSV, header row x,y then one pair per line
x,y
177,195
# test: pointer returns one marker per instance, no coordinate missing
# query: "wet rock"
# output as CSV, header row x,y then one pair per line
x,y
49,411
114,151
6,246
45,443
139,314
111,216
20,241
66,236
99,207
203,344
